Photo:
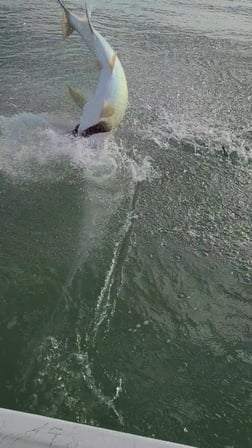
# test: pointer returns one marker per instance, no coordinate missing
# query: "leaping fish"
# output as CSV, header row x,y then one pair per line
x,y
104,111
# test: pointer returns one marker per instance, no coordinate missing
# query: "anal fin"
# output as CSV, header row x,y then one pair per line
x,y
77,96
112,61
66,27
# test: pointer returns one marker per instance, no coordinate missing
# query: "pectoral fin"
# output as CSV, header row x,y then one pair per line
x,y
77,96
107,110
66,27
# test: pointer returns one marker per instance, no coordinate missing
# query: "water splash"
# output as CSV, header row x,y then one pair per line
x,y
39,147
196,137
36,148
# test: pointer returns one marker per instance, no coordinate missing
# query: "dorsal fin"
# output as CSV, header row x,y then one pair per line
x,y
66,27
77,96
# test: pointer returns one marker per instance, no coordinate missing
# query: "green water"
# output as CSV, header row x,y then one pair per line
x,y
125,269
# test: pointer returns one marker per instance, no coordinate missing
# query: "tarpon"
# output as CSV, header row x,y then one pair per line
x,y
105,109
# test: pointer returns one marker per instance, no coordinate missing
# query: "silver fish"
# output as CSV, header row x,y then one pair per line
x,y
104,111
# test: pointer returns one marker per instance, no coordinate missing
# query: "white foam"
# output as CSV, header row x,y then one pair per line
x,y
39,146
199,137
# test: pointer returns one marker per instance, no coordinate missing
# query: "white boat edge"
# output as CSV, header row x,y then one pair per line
x,y
21,430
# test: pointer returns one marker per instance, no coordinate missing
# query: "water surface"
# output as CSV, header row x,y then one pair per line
x,y
125,297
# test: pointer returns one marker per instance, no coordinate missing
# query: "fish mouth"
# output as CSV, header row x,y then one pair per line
x,y
97,128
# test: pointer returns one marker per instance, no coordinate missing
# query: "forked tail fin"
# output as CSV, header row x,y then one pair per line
x,y
71,22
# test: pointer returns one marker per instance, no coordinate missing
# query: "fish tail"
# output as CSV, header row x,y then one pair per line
x,y
83,26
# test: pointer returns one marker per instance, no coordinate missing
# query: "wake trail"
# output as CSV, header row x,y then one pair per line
x,y
106,304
